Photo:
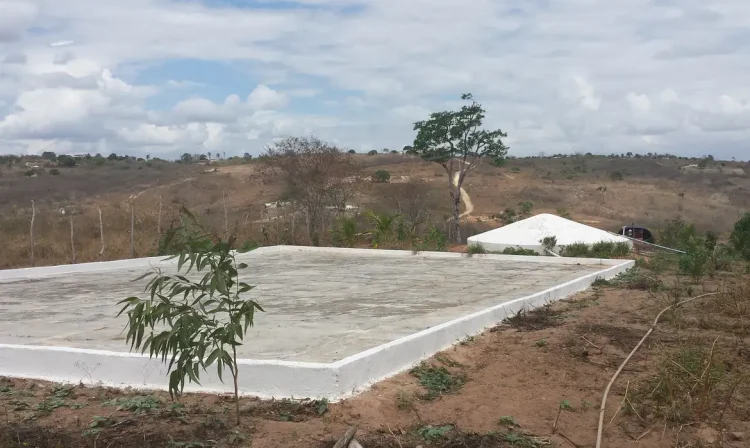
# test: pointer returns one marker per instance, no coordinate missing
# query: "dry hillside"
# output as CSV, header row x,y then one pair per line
x,y
230,196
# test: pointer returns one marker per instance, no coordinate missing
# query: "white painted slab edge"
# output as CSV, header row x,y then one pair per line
x,y
282,379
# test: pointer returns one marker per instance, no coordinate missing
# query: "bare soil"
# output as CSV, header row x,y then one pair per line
x,y
534,381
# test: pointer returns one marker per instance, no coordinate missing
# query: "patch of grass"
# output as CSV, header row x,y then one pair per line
x,y
437,380
430,432
404,401
536,319
522,440
691,384
566,406
575,250
49,405
600,282
137,404
541,343
519,251
475,249
635,278
509,421
62,390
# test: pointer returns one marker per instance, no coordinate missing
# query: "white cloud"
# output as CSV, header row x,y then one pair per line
x,y
265,98
15,17
576,75
587,95
639,104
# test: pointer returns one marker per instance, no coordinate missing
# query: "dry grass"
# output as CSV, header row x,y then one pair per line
x,y
650,193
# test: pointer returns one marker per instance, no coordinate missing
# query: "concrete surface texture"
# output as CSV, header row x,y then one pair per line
x,y
321,306
528,233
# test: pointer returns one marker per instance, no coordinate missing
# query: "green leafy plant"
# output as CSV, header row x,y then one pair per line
x,y
541,343
383,229
381,176
549,243
563,213
519,251
576,250
566,406
430,432
345,234
372,152
193,323
740,237
435,239
509,421
678,234
508,216
437,380
473,249
526,207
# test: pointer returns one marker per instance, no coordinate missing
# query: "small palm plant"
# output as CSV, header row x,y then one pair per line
x,y
193,323
383,227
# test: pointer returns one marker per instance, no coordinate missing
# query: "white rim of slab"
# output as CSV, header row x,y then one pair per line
x,y
280,379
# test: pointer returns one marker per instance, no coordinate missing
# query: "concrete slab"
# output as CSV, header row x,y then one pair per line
x,y
327,310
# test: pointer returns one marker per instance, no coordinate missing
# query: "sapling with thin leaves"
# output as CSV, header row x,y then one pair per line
x,y
192,324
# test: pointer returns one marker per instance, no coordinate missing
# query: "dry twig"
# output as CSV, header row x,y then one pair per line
x,y
635,349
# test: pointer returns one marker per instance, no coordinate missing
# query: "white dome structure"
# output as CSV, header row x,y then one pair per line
x,y
529,232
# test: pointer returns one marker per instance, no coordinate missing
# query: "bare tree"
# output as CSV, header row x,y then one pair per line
x,y
412,200
317,176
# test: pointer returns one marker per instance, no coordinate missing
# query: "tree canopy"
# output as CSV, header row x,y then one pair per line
x,y
450,135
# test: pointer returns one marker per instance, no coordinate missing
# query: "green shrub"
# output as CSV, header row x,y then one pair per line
x,y
526,207
345,232
54,172
436,239
381,176
575,250
677,234
473,249
710,241
617,175
563,213
621,249
694,263
519,251
602,249
64,160
29,173
740,237
372,153
351,151
509,216
549,243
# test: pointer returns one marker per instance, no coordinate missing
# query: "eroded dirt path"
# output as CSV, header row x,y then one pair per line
x,y
468,206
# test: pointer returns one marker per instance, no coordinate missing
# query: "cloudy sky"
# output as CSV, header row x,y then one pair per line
x,y
163,77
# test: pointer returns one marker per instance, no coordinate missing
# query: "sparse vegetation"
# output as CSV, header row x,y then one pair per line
x,y
475,249
381,176
519,251
194,338
437,380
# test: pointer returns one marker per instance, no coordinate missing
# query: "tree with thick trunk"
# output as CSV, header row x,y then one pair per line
x,y
455,140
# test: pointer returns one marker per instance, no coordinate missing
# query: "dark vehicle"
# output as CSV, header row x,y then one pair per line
x,y
638,233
